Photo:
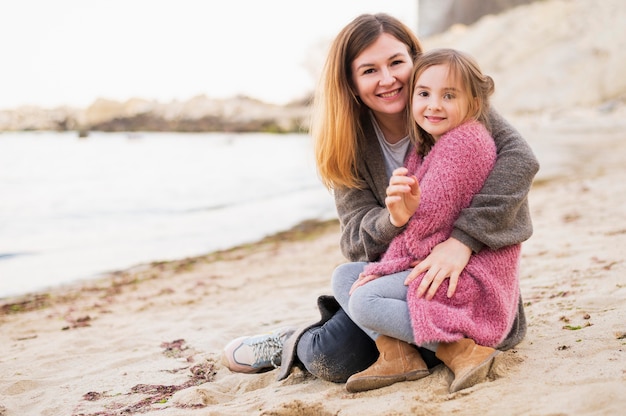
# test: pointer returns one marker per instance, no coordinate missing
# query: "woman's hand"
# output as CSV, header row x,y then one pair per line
x,y
403,197
446,260
362,280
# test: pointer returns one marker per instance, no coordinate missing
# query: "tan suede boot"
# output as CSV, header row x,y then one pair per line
x,y
469,362
398,361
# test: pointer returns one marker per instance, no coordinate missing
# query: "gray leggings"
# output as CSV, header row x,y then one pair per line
x,y
378,307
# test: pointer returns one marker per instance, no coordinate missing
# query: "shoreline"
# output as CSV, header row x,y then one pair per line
x,y
113,280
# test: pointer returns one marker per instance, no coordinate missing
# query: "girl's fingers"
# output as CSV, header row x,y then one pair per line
x,y
361,281
397,190
454,280
425,283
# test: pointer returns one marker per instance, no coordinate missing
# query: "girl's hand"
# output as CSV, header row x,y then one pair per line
x,y
362,280
403,197
446,260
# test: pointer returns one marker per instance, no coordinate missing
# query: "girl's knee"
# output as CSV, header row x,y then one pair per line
x,y
358,307
345,275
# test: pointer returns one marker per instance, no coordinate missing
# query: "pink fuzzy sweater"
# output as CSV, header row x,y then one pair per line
x,y
485,302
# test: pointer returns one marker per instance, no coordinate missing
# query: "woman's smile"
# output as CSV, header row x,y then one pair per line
x,y
390,94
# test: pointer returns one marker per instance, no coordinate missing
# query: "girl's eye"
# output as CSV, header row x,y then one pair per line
x,y
448,96
423,93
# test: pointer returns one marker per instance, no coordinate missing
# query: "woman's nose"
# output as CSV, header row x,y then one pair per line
x,y
387,78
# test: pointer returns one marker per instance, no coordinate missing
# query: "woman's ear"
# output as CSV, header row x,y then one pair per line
x,y
354,95
353,90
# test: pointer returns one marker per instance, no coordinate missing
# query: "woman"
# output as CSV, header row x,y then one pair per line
x,y
360,128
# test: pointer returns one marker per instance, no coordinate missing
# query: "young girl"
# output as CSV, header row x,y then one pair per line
x,y
464,318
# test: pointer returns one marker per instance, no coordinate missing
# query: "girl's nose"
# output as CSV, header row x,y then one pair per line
x,y
433,104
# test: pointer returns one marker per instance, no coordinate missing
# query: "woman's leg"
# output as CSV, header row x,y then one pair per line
x,y
337,349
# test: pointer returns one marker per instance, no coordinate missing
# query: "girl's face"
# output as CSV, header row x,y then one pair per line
x,y
380,75
440,102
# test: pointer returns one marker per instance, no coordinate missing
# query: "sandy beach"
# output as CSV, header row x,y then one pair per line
x,y
148,340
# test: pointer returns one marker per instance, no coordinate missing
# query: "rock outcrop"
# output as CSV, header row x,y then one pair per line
x,y
198,114
437,16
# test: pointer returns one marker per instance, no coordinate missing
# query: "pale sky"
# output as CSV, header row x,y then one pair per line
x,y
70,52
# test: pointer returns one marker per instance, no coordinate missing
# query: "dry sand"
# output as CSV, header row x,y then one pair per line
x,y
148,340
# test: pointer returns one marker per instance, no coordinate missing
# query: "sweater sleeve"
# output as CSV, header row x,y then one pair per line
x,y
499,214
366,230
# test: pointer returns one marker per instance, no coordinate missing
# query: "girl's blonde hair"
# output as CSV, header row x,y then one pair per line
x,y
478,88
337,112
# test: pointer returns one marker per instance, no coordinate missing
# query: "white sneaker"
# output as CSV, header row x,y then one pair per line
x,y
256,353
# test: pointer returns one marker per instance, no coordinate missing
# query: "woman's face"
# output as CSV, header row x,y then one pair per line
x,y
439,101
380,75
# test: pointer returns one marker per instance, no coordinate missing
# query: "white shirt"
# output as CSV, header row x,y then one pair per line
x,y
393,154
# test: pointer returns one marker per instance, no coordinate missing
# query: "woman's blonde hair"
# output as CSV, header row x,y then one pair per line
x,y
337,111
478,88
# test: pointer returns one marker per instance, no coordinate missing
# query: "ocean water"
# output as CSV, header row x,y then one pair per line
x,y
72,209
